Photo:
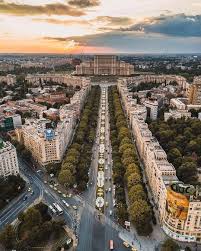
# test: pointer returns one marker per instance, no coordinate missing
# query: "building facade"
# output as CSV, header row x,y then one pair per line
x,y
105,65
68,80
194,92
8,159
48,140
152,107
8,79
179,213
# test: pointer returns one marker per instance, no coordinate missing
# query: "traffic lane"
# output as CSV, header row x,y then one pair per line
x,y
50,196
66,216
13,213
112,234
28,196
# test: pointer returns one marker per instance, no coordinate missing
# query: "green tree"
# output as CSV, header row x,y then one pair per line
x,y
134,179
136,193
170,245
21,216
187,172
66,178
140,213
174,154
124,147
32,217
128,161
7,236
125,140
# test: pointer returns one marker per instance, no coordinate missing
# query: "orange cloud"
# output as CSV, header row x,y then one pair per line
x,y
31,10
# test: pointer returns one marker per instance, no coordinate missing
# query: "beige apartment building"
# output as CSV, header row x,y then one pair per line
x,y
179,213
47,140
46,144
68,80
166,79
8,79
105,65
194,92
8,159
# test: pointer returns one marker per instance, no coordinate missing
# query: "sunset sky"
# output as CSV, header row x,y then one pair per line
x,y
100,26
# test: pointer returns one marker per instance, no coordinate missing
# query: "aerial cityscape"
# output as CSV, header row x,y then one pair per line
x,y
100,125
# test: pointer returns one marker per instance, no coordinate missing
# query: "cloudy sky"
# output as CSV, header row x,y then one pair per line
x,y
98,26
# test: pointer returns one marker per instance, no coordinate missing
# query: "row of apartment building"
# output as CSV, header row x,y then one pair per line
x,y
8,79
66,79
168,79
48,140
179,214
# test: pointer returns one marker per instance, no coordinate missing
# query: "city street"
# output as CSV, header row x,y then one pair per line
x,y
96,231
94,227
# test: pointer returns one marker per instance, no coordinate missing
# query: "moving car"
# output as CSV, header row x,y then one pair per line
x,y
69,241
25,197
111,245
65,203
110,212
126,244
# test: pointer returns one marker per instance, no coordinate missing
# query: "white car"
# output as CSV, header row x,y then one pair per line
x,y
65,203
109,189
75,207
110,212
69,241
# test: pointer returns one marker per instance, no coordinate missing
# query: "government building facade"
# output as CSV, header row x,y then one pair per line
x,y
105,65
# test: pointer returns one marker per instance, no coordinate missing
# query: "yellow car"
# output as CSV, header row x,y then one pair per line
x,y
126,244
133,249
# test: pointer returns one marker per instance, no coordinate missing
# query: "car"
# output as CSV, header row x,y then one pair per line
x,y
64,195
32,193
109,189
65,203
25,197
126,244
69,241
133,249
29,189
55,188
69,195
59,191
110,212
110,178
106,204
75,207
106,190
51,186
45,181
105,178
